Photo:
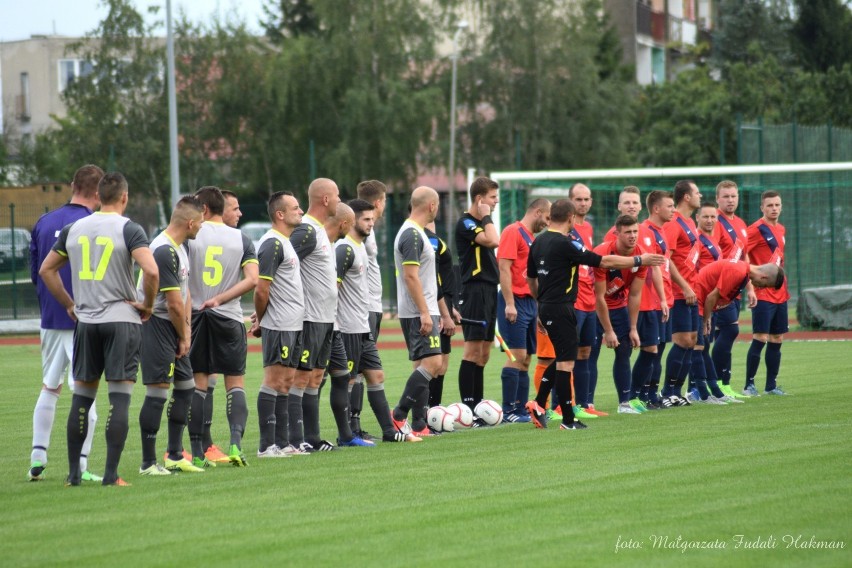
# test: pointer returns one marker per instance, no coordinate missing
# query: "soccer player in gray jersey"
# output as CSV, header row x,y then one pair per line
x,y
231,217
417,298
319,281
101,249
375,193
223,267
353,316
337,227
279,304
165,344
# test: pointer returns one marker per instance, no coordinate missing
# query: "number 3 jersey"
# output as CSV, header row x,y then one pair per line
x,y
216,259
99,250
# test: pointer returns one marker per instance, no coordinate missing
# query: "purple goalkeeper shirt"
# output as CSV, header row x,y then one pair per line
x,y
45,232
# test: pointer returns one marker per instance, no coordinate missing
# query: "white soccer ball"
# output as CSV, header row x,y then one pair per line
x,y
440,419
462,415
489,412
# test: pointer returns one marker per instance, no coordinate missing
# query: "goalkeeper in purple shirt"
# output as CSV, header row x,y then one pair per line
x,y
57,328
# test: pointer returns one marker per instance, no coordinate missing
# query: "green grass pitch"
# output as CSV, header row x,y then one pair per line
x,y
771,470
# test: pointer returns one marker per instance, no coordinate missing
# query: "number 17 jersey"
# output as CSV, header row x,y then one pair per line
x,y
99,249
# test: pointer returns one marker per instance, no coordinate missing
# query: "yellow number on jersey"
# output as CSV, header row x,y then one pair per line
x,y
86,269
214,277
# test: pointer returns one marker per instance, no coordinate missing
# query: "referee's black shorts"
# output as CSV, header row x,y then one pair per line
x,y
561,325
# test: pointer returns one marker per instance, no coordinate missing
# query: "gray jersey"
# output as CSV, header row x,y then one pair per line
x,y
319,275
173,263
280,265
412,247
99,251
374,273
353,314
216,259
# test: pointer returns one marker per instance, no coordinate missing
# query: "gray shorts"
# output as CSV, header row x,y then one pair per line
x,y
338,359
159,345
110,349
421,346
316,345
362,352
281,347
219,344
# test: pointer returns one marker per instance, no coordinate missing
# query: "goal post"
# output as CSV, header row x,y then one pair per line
x,y
817,197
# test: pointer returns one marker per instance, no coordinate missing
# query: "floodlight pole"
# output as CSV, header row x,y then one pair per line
x,y
450,217
173,141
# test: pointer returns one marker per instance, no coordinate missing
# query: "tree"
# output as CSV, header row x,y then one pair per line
x,y
822,34
289,19
743,23
117,116
546,91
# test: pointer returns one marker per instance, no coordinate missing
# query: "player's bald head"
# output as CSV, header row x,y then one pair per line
x,y
422,197
320,188
344,213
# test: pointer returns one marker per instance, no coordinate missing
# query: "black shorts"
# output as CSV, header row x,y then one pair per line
x,y
219,344
376,324
421,346
362,353
110,349
159,344
338,359
281,347
478,300
561,325
446,344
316,345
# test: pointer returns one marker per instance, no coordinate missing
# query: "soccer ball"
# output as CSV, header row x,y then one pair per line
x,y
440,419
489,412
462,414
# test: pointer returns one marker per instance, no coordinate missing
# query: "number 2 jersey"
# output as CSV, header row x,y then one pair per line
x,y
216,259
99,249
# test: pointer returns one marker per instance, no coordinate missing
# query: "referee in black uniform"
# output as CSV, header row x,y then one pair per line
x,y
552,275
476,240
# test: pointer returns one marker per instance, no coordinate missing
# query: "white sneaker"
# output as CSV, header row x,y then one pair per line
x,y
625,408
731,400
713,400
155,469
272,451
292,450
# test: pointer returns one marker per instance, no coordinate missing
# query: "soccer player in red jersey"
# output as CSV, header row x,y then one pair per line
x,y
654,325
730,233
516,308
682,237
588,333
720,282
769,316
703,376
629,203
618,293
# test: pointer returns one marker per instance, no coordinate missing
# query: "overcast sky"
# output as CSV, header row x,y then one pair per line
x,y
19,19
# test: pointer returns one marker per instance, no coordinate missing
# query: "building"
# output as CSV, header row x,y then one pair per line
x,y
33,74
656,34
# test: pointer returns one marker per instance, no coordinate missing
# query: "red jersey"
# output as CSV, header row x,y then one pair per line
x,y
618,281
515,242
586,289
683,242
709,251
765,245
731,235
653,240
729,276
610,235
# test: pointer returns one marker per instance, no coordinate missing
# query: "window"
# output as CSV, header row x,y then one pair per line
x,y
71,69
